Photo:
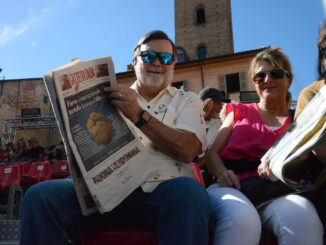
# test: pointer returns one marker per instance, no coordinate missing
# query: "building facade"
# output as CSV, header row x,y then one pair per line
x,y
25,111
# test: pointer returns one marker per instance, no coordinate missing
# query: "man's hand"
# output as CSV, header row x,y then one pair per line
x,y
208,106
125,100
265,171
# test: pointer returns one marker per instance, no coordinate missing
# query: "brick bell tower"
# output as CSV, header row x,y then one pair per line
x,y
203,29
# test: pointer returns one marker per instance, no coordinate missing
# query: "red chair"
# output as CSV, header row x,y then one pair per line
x,y
60,169
198,175
10,181
24,167
122,237
39,171
9,176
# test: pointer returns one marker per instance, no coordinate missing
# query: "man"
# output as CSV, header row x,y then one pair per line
x,y
169,124
212,104
57,152
212,101
36,152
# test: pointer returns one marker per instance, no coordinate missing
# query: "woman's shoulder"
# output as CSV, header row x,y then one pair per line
x,y
240,109
243,107
313,88
307,94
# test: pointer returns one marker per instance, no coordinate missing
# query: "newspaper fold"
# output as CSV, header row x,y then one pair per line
x,y
306,133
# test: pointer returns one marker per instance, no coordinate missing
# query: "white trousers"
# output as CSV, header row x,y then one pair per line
x,y
234,219
292,219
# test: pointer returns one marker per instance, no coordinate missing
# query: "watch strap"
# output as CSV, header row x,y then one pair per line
x,y
144,118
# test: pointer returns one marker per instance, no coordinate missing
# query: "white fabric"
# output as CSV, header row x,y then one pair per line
x,y
177,109
234,219
212,128
293,220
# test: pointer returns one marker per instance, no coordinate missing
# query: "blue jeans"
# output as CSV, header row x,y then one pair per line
x,y
177,210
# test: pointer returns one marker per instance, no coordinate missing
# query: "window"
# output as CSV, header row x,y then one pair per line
x,y
202,52
200,14
232,83
45,99
180,55
181,85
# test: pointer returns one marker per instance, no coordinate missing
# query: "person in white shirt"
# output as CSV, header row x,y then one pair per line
x,y
212,103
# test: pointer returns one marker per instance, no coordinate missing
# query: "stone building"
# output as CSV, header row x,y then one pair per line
x,y
205,57
25,111
203,29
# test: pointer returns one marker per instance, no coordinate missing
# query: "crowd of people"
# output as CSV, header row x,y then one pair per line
x,y
170,202
32,152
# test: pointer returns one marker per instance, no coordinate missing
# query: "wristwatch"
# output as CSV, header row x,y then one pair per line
x,y
144,118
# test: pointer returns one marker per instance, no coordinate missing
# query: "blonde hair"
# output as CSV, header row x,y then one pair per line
x,y
277,59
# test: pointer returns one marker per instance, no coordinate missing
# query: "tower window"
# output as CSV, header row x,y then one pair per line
x,y
202,52
180,55
200,16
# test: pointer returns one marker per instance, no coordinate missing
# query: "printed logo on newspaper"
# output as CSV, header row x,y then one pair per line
x,y
80,76
115,165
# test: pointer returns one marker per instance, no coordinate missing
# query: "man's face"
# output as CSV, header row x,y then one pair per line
x,y
154,75
215,111
33,143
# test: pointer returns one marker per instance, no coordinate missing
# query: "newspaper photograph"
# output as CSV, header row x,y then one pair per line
x,y
110,157
304,134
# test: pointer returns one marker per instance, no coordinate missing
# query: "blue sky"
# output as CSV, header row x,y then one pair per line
x,y
37,36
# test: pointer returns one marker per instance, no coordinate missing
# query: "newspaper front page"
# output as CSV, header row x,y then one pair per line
x,y
111,161
306,133
86,202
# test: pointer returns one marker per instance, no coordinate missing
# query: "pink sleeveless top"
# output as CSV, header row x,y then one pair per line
x,y
250,137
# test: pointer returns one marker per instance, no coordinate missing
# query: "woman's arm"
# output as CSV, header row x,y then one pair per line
x,y
214,162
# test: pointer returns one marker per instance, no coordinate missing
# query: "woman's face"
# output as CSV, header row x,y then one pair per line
x,y
271,87
20,144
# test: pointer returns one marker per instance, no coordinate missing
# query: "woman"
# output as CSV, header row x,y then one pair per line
x,y
248,131
9,154
21,149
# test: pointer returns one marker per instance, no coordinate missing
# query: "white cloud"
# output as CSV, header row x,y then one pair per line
x,y
33,44
9,33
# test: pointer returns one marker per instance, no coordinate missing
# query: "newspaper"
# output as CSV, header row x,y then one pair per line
x,y
107,160
306,133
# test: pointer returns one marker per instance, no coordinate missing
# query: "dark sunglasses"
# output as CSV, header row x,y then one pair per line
x,y
150,56
276,73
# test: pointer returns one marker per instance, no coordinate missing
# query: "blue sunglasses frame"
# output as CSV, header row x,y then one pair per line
x,y
150,56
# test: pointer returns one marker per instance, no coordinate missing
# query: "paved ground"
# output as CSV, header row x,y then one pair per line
x,y
9,232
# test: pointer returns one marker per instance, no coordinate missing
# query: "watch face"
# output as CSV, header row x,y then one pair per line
x,y
146,116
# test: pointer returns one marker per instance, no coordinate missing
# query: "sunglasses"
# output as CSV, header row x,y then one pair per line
x,y
150,56
276,73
